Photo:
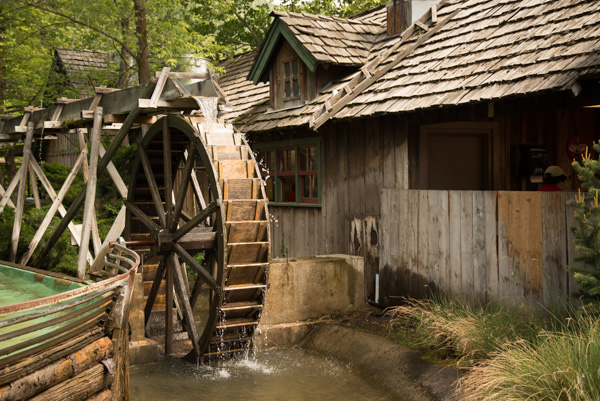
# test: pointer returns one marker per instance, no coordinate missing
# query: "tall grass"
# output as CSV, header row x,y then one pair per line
x,y
513,354
467,332
558,366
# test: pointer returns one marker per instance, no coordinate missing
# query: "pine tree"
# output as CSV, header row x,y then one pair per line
x,y
587,230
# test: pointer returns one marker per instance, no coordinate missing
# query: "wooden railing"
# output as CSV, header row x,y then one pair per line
x,y
479,245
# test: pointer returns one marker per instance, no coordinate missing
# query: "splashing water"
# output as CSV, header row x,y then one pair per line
x,y
208,105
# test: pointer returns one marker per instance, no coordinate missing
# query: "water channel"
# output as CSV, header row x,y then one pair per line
x,y
289,374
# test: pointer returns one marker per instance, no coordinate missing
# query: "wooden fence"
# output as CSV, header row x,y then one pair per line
x,y
479,245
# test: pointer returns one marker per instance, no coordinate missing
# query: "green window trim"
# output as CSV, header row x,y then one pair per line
x,y
292,178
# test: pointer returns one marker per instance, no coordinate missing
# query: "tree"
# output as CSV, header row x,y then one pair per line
x,y
145,34
587,230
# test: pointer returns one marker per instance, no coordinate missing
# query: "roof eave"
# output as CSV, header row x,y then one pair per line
x,y
278,29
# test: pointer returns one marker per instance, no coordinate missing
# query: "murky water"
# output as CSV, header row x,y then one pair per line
x,y
271,375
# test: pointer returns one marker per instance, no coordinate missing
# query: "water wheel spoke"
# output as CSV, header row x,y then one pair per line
x,y
189,259
144,159
194,221
144,218
183,187
167,158
185,303
158,277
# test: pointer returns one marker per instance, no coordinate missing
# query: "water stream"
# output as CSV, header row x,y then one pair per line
x,y
271,375
208,105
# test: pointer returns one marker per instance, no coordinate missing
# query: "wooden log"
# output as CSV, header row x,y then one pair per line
x,y
90,195
37,361
104,395
80,387
58,371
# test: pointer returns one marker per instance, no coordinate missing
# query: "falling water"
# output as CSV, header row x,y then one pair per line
x,y
208,105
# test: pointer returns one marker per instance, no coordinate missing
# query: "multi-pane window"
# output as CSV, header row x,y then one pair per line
x,y
291,79
291,171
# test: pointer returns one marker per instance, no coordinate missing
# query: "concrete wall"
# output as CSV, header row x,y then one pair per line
x,y
305,290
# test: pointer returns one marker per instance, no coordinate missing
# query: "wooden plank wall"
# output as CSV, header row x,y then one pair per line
x,y
477,245
63,150
357,159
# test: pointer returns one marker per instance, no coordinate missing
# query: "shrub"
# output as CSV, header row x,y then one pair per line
x,y
587,231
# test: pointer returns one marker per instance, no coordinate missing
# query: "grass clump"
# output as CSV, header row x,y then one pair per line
x,y
468,333
513,355
560,365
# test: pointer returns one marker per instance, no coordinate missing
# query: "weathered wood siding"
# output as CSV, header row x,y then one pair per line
x,y
477,245
357,160
63,150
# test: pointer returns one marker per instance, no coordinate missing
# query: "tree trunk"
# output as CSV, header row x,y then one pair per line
x,y
142,36
2,63
124,73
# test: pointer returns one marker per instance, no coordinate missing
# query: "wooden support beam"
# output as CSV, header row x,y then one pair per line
x,y
113,234
2,193
78,201
160,85
90,196
14,242
75,231
57,202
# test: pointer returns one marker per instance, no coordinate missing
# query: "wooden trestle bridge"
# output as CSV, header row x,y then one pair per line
x,y
195,188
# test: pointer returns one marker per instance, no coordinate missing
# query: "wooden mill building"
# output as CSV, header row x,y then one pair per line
x,y
419,142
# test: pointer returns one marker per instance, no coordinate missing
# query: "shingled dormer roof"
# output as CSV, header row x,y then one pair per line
x,y
469,51
317,40
85,69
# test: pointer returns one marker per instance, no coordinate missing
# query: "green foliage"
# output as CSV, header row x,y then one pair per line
x,y
31,30
63,256
57,175
587,231
341,8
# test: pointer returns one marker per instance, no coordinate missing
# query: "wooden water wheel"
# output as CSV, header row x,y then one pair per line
x,y
195,198
199,193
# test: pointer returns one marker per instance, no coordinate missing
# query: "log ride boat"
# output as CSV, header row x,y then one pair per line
x,y
71,345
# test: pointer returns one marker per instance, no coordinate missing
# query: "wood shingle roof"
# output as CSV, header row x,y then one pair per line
x,y
332,40
475,51
241,93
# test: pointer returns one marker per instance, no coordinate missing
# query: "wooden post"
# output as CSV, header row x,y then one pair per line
x,y
90,195
22,174
34,188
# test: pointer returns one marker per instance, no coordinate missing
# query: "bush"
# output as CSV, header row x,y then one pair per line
x,y
587,231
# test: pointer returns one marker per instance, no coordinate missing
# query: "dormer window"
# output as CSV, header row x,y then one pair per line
x,y
291,79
